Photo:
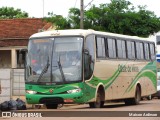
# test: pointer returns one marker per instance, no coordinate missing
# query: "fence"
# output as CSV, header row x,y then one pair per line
x,y
5,81
18,85
12,84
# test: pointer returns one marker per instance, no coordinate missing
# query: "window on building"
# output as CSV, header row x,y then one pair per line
x,y
20,64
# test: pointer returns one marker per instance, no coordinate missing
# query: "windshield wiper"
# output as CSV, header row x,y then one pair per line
x,y
61,70
44,70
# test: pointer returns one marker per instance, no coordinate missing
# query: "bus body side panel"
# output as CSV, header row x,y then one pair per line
x,y
121,77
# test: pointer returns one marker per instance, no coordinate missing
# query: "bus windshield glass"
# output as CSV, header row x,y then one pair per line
x,y
54,60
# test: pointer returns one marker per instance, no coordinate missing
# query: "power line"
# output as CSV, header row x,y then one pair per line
x,y
75,4
88,4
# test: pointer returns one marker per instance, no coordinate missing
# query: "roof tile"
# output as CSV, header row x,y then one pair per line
x,y
20,28
12,29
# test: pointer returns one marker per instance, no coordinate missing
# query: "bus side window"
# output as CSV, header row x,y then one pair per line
x,y
100,45
140,50
89,56
152,51
146,47
121,49
112,48
131,50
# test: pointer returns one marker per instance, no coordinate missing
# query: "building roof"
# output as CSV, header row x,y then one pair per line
x,y
20,29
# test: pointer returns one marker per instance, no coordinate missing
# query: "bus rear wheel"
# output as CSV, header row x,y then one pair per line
x,y
136,99
149,97
98,103
51,106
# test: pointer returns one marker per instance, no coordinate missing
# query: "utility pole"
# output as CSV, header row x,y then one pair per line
x,y
81,14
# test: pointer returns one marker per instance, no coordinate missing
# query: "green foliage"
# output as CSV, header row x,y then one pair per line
x,y
59,21
74,18
119,16
10,13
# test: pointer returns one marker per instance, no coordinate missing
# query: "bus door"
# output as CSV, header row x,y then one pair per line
x,y
87,75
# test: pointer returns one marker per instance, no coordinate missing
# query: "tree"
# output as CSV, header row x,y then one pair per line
x,y
10,13
119,16
58,20
74,17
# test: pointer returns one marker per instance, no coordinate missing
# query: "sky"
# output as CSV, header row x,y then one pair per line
x,y
36,8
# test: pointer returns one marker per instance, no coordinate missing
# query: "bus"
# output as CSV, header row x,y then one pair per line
x,y
107,67
158,42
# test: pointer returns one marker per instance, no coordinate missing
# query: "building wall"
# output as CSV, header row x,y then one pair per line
x,y
9,57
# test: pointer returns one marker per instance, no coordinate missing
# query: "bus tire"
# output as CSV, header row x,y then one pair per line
x,y
51,106
98,103
136,99
149,97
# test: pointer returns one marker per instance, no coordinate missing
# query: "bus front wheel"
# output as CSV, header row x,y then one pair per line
x,y
98,103
51,106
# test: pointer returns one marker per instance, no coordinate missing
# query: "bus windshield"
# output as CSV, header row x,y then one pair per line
x,y
54,60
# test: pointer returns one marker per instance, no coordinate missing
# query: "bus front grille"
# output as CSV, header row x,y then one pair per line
x,y
51,100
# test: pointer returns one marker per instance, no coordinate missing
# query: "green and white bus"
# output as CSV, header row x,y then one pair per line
x,y
106,67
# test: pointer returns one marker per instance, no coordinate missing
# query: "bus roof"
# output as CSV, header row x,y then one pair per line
x,y
83,32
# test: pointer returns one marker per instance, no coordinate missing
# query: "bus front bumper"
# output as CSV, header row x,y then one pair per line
x,y
55,99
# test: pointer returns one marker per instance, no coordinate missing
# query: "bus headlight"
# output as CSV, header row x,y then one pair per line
x,y
74,90
31,92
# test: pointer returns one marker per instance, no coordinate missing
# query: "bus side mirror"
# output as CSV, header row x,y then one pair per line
x,y
86,53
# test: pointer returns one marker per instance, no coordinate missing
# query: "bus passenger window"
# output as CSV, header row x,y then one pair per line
x,y
100,47
121,49
152,51
131,49
112,48
146,48
142,51
139,51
